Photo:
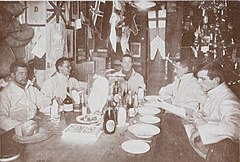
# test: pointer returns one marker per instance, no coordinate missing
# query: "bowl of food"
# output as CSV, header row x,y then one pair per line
x,y
88,119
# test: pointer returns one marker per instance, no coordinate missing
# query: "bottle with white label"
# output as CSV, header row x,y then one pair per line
x,y
109,123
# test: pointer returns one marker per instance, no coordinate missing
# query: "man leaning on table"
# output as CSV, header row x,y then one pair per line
x,y
133,78
58,83
19,99
218,121
184,92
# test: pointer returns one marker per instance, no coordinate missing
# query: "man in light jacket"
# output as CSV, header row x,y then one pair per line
x,y
19,100
185,91
217,123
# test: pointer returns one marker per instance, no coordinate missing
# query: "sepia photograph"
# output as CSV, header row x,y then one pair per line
x,y
120,81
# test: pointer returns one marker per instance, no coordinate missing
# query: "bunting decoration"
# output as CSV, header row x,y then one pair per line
x,y
122,24
157,24
116,20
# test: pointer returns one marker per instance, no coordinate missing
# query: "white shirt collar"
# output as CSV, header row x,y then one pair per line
x,y
186,76
217,90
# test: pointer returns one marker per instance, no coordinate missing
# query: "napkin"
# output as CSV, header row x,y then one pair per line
x,y
99,94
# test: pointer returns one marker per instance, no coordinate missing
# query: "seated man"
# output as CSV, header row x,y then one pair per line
x,y
133,78
217,124
58,83
19,99
184,91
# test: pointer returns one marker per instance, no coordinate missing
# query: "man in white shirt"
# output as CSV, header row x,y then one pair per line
x,y
184,92
19,99
56,86
218,121
133,78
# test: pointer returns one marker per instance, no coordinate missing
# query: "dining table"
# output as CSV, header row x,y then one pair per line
x,y
170,145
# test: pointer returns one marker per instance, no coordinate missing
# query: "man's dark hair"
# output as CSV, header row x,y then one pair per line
x,y
127,55
214,70
60,62
186,63
16,64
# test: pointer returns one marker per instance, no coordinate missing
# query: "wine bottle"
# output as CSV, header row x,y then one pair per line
x,y
135,102
115,93
55,117
68,101
109,123
80,103
84,105
125,93
140,95
131,111
121,117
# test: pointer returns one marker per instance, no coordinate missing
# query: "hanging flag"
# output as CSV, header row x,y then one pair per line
x,y
57,11
157,25
116,20
130,14
124,39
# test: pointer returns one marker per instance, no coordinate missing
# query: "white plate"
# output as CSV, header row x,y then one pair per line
x,y
150,119
148,111
88,119
152,98
144,130
135,146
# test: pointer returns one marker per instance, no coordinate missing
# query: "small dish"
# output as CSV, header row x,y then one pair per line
x,y
88,119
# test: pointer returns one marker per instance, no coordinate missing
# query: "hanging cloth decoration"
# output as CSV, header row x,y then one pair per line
x,y
157,25
116,20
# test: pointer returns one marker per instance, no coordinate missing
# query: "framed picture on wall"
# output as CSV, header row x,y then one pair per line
x,y
136,49
74,10
36,13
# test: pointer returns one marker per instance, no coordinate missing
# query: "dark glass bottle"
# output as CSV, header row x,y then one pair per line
x,y
84,105
68,101
115,93
80,103
109,123
125,94
129,100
